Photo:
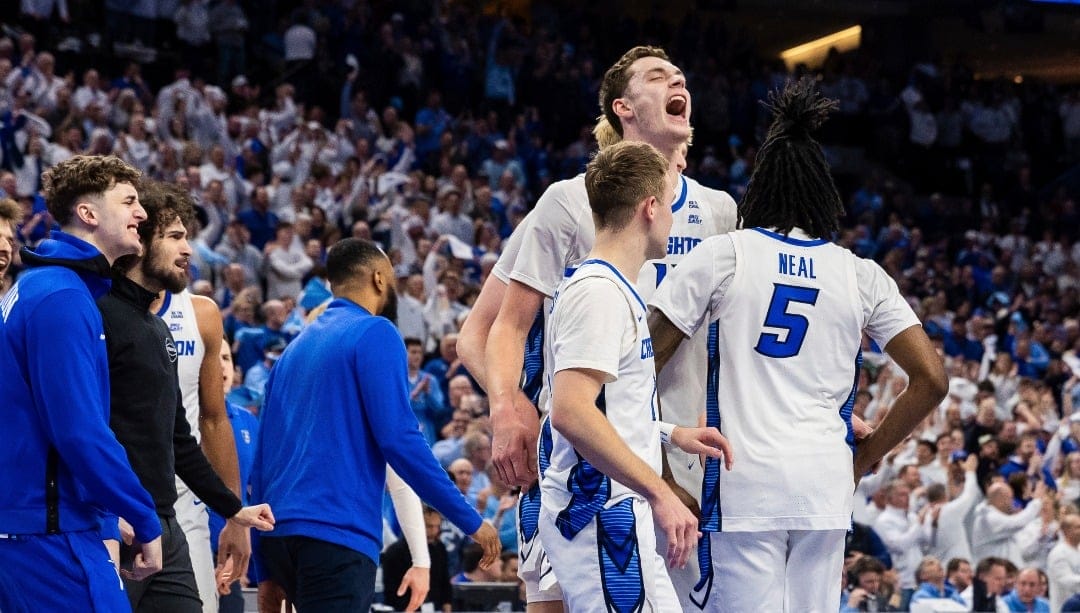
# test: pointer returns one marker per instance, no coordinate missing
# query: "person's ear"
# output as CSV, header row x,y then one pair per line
x,y
622,108
86,212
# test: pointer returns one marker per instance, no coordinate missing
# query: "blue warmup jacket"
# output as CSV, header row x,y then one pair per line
x,y
337,411
62,466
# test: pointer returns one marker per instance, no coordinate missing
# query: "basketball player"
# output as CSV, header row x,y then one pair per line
x,y
196,328
643,97
602,489
794,307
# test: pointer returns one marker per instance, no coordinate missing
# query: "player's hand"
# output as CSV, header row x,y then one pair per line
x,y
223,578
258,516
703,441
860,428
234,549
684,496
147,561
515,430
678,523
418,581
488,538
127,533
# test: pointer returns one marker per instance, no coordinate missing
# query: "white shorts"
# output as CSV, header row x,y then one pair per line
x,y
611,564
780,570
194,520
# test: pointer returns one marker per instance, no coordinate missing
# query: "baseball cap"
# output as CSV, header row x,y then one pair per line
x,y
984,439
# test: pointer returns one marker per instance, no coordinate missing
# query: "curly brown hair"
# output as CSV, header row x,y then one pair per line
x,y
618,77
80,177
164,203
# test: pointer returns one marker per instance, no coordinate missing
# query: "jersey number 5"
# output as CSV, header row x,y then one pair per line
x,y
769,344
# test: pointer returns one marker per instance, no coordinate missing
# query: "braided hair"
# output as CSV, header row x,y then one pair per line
x,y
791,185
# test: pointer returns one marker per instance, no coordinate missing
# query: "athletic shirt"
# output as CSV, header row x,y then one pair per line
x,y
179,315
792,311
598,321
558,234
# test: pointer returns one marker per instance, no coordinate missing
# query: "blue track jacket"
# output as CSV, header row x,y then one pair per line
x,y
337,411
62,467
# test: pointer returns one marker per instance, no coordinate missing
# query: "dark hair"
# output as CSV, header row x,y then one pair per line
x,y
867,564
618,76
954,565
164,203
619,178
79,177
986,564
791,185
348,256
471,555
412,341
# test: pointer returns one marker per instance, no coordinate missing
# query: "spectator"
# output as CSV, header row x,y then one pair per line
x,y
865,590
228,23
286,263
1063,563
1026,595
904,536
996,521
931,578
425,395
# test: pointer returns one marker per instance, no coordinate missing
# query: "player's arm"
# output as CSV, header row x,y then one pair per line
x,y
217,434
666,337
410,516
927,385
473,338
575,416
514,420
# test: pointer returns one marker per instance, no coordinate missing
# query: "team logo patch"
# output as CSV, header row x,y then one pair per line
x,y
170,348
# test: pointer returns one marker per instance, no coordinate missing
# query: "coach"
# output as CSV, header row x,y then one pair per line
x,y
337,411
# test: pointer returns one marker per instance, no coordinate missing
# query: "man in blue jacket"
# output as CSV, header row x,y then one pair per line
x,y
337,412
63,468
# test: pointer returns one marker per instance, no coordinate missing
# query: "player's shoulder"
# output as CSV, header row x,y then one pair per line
x,y
566,190
698,191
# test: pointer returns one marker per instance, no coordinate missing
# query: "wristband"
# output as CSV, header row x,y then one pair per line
x,y
666,430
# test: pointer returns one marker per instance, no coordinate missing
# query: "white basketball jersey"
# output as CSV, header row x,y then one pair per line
x,y
699,212
179,315
791,311
598,322
559,233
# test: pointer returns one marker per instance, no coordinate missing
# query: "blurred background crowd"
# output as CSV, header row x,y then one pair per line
x,y
433,127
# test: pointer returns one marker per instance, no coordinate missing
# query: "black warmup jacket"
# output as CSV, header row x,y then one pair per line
x,y
147,412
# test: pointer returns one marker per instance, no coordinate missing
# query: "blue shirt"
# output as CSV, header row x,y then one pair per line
x,y
929,590
1012,600
245,427
336,413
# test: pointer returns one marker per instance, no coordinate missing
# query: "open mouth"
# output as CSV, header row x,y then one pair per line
x,y
676,106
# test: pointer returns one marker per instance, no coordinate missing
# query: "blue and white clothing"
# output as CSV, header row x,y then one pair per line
x,y
597,531
793,312
550,243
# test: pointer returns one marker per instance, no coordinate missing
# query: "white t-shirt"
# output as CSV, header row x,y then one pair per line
x,y
598,322
792,311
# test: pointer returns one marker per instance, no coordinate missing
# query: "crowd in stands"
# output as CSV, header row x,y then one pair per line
x,y
432,128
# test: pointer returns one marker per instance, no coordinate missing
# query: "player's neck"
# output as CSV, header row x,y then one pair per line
x,y
622,250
